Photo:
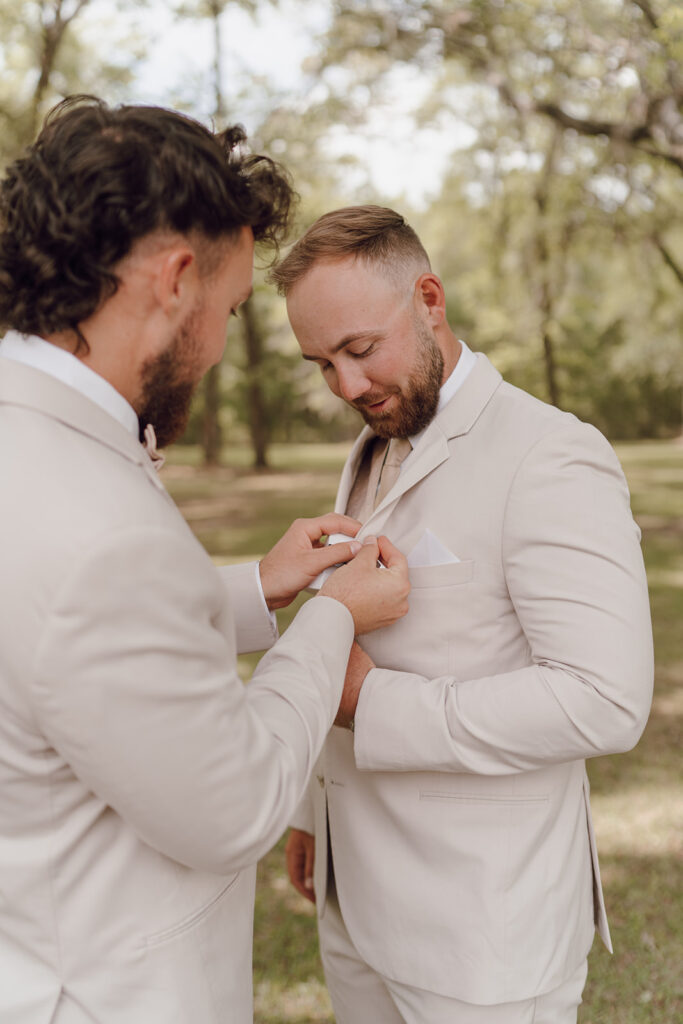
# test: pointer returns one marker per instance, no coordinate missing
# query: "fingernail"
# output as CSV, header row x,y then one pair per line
x,y
308,883
355,546
370,540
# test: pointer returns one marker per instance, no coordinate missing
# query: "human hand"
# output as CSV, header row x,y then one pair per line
x,y
298,557
375,596
300,859
358,667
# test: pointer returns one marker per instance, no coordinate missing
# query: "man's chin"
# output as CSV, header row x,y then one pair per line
x,y
169,414
384,426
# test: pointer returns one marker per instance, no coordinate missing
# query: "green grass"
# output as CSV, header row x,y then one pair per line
x,y
637,798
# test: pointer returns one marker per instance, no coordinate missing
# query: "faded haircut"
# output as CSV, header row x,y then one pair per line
x,y
375,235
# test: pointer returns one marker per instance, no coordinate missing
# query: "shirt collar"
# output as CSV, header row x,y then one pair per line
x,y
33,351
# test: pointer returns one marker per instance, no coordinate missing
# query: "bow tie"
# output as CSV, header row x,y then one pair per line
x,y
150,446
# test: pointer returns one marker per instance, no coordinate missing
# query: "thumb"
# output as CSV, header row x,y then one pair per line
x,y
390,554
369,553
332,554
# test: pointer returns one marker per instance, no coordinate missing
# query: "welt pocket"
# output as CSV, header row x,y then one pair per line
x,y
482,798
192,919
447,575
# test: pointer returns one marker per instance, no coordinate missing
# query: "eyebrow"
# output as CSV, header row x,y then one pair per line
x,y
348,339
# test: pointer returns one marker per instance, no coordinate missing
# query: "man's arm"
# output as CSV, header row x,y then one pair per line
x,y
135,685
575,575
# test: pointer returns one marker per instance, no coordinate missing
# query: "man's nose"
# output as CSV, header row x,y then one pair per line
x,y
352,383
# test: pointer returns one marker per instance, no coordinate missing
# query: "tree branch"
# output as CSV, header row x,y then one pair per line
x,y
668,257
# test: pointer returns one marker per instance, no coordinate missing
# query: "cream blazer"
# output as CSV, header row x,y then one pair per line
x,y
464,854
139,779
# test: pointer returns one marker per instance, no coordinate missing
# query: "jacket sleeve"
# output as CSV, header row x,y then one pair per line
x,y
135,685
255,626
576,581
303,817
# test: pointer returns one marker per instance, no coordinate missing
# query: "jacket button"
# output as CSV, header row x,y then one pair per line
x,y
321,781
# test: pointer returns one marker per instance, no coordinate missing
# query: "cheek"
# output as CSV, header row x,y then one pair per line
x,y
332,382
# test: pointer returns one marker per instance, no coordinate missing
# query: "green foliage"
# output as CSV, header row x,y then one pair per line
x,y
558,231
50,49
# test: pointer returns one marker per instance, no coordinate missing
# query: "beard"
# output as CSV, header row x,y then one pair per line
x,y
168,385
417,401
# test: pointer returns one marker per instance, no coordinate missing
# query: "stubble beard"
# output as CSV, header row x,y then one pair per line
x,y
418,401
168,385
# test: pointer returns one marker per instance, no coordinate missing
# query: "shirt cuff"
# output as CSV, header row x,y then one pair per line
x,y
255,625
271,615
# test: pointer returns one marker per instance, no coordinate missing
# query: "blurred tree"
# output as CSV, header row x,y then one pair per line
x,y
574,180
46,53
211,433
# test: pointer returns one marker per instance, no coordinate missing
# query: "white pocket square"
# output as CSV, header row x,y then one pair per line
x,y
430,551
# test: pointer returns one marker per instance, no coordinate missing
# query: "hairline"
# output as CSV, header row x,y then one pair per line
x,y
402,272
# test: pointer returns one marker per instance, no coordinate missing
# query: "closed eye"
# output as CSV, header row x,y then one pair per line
x,y
366,352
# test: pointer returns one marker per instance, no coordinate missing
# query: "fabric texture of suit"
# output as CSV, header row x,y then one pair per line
x,y
464,856
139,779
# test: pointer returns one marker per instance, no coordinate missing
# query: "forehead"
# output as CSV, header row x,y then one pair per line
x,y
336,297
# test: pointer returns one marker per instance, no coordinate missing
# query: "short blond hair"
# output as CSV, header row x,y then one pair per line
x,y
373,234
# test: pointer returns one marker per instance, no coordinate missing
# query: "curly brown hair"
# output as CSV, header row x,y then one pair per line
x,y
98,179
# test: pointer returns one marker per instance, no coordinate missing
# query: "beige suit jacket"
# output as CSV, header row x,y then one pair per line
x,y
464,854
139,779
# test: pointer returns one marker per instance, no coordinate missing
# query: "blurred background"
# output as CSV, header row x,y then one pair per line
x,y
537,148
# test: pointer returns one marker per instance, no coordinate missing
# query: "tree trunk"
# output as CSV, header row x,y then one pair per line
x,y
52,35
212,440
256,405
544,290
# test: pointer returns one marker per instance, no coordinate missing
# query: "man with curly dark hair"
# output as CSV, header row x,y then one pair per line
x,y
139,780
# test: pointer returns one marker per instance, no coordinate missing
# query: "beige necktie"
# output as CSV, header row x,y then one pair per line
x,y
398,449
362,494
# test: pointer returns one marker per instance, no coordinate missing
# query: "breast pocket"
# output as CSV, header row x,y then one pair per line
x,y
419,642
449,574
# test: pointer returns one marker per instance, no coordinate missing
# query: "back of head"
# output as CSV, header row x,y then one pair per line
x,y
96,181
375,235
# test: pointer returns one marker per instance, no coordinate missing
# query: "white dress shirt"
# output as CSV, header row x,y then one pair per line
x,y
43,355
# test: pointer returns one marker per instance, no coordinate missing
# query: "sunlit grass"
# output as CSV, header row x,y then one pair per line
x,y
637,800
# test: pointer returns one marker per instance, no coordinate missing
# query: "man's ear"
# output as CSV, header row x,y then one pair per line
x,y
176,280
430,295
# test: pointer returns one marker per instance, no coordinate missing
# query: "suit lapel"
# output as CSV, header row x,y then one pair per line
x,y
32,389
455,420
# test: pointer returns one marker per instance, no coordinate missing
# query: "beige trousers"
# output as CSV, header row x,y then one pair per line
x,y
362,996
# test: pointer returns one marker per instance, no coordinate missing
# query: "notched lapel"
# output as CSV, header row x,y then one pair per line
x,y
457,419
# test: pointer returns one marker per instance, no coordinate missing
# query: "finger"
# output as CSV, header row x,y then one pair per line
x,y
390,555
306,893
369,553
332,522
333,554
293,866
308,872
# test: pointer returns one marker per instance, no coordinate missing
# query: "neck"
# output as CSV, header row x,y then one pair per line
x,y
110,345
451,350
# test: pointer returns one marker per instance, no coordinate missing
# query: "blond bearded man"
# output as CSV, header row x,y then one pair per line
x,y
463,885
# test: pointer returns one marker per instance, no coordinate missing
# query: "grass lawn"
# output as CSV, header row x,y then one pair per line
x,y
637,797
